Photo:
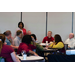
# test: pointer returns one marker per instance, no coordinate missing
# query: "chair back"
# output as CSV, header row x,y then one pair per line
x,y
66,46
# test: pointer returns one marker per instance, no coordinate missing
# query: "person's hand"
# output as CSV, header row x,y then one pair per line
x,y
36,54
49,46
68,46
53,43
5,43
33,39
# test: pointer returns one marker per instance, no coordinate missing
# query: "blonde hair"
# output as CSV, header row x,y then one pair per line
x,y
50,31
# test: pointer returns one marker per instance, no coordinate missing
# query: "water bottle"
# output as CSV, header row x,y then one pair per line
x,y
46,44
24,55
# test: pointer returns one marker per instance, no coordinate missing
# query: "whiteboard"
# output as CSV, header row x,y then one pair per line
x,y
36,23
9,21
60,23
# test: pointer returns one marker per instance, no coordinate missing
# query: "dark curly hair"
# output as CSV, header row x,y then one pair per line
x,y
22,24
26,39
57,38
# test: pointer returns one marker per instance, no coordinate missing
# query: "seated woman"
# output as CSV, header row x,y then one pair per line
x,y
26,46
38,47
58,43
6,51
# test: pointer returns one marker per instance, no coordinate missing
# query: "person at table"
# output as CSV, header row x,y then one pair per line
x,y
38,47
18,38
48,38
8,38
29,32
7,51
21,27
70,41
26,46
58,43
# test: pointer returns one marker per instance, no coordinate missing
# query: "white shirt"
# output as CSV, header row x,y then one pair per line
x,y
70,42
17,41
17,30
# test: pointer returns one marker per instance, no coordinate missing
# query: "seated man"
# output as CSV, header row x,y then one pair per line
x,y
29,32
70,41
18,38
48,38
8,38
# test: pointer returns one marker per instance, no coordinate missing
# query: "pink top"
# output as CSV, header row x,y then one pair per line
x,y
5,53
24,31
24,46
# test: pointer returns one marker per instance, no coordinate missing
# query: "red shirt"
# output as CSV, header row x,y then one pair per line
x,y
47,39
5,53
25,47
24,31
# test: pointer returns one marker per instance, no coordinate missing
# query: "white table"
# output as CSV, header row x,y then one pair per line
x,y
44,44
31,58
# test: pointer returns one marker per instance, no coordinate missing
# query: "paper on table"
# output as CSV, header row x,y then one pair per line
x,y
42,43
30,57
34,58
20,57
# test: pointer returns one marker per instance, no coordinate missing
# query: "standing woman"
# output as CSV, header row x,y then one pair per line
x,y
21,27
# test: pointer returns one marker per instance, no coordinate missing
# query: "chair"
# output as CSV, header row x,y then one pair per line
x,y
66,46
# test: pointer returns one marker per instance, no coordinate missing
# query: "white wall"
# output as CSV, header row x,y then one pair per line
x,y
36,23
74,24
60,23
9,21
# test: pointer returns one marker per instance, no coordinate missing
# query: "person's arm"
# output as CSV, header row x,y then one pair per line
x,y
39,47
43,40
14,57
32,52
58,45
72,46
14,47
12,40
53,40
16,43
50,46
66,42
34,41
